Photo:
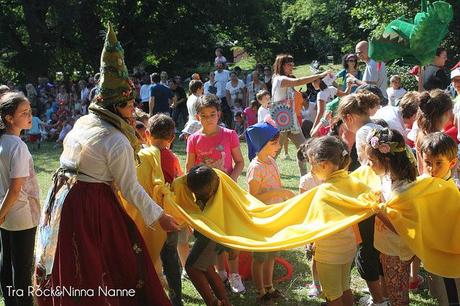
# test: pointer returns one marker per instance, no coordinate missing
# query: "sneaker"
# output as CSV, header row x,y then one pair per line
x,y
313,290
287,157
368,301
264,300
415,284
236,285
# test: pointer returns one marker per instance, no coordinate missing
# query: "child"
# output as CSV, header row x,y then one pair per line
x,y
307,182
161,133
19,196
435,111
250,113
395,92
239,125
264,183
263,97
35,132
203,183
439,155
390,158
217,147
67,125
329,159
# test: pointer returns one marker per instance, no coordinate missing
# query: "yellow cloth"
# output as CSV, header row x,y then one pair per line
x,y
149,174
427,217
238,220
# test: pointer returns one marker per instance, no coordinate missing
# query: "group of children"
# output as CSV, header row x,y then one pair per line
x,y
382,259
350,138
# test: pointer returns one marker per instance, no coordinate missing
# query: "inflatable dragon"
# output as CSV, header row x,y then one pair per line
x,y
415,41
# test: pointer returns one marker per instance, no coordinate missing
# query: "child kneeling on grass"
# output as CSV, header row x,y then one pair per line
x,y
203,183
264,183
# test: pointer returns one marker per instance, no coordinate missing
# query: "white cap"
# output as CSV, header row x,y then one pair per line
x,y
455,73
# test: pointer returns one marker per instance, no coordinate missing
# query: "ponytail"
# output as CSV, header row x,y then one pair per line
x,y
358,104
433,105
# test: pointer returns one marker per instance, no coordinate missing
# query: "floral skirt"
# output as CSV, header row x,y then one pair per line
x,y
101,258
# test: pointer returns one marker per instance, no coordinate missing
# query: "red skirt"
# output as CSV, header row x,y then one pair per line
x,y
101,258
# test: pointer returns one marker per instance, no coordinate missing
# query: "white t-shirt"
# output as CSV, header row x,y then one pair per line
x,y
309,181
16,162
327,94
145,92
191,107
385,240
310,113
361,140
280,93
457,111
374,75
235,92
395,94
221,79
393,117
262,114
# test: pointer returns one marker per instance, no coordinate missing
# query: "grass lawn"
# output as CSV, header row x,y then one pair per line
x,y
46,162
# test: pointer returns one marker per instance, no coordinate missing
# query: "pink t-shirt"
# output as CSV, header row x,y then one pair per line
x,y
251,116
214,151
267,174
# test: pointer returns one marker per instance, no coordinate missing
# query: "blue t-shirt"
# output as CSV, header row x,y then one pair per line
x,y
162,95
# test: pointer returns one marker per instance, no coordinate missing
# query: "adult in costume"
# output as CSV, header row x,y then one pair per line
x,y
87,243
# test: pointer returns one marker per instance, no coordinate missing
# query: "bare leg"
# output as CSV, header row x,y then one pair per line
x,y
233,261
347,298
201,283
376,291
217,285
414,269
221,261
258,276
268,272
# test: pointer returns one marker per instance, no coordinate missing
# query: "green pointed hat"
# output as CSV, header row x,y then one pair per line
x,y
114,84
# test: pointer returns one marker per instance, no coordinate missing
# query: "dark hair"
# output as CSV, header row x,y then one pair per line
x,y
302,154
155,77
433,105
254,103
398,164
238,114
408,105
373,89
380,122
195,85
345,60
200,178
439,144
440,50
9,103
359,104
329,148
322,85
280,60
161,126
140,115
209,100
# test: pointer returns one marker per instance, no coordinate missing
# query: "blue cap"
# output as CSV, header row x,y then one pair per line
x,y
257,136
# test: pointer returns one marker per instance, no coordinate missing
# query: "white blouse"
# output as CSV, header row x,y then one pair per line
x,y
101,153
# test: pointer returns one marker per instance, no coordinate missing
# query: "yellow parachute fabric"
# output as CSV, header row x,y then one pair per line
x,y
238,220
427,217
149,175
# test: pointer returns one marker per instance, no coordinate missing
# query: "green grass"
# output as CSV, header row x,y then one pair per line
x,y
47,159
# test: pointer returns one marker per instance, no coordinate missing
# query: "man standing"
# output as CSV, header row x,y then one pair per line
x,y
221,77
160,96
375,72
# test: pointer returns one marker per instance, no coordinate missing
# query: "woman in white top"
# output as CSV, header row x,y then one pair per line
x,y
235,91
19,198
86,239
283,89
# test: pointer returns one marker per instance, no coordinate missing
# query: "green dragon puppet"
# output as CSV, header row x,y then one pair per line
x,y
416,41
